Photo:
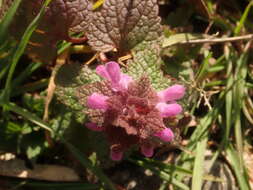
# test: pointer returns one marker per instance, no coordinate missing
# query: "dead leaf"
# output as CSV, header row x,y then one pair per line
x,y
17,168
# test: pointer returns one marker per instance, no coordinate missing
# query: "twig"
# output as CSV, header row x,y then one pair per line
x,y
218,40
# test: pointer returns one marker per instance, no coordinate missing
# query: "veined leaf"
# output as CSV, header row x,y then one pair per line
x,y
4,7
148,61
122,24
61,18
68,79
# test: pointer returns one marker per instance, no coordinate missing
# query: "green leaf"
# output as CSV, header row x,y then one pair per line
x,y
68,79
148,61
75,74
33,151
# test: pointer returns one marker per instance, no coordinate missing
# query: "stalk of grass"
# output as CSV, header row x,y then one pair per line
x,y
31,87
203,69
20,49
214,83
165,176
243,19
198,169
6,21
200,134
87,163
228,101
26,73
239,91
5,56
241,175
248,109
175,169
27,115
3,70
164,185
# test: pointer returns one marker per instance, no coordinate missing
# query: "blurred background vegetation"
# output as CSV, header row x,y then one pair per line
x,y
208,48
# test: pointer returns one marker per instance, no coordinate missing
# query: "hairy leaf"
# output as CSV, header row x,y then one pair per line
x,y
61,18
6,4
122,24
148,61
68,79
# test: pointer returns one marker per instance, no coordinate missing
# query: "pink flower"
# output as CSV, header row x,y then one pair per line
x,y
94,127
172,93
97,101
147,150
166,135
168,110
131,112
111,72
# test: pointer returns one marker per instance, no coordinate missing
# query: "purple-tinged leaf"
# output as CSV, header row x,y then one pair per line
x,y
61,18
122,24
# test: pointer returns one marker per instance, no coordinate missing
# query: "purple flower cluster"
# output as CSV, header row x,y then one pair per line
x,y
132,113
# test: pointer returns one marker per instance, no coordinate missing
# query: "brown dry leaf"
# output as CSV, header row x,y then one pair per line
x,y
17,168
248,160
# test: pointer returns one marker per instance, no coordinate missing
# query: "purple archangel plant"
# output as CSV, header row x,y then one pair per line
x,y
130,112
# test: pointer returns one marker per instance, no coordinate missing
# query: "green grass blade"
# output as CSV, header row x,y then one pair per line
x,y
243,19
229,102
20,49
175,169
234,161
27,115
31,87
165,176
26,73
7,20
87,163
199,134
198,169
204,66
239,91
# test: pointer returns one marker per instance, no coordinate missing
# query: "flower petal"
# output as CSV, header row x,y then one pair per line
x,y
94,127
169,110
101,71
116,155
113,70
125,80
97,101
147,150
172,93
165,135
